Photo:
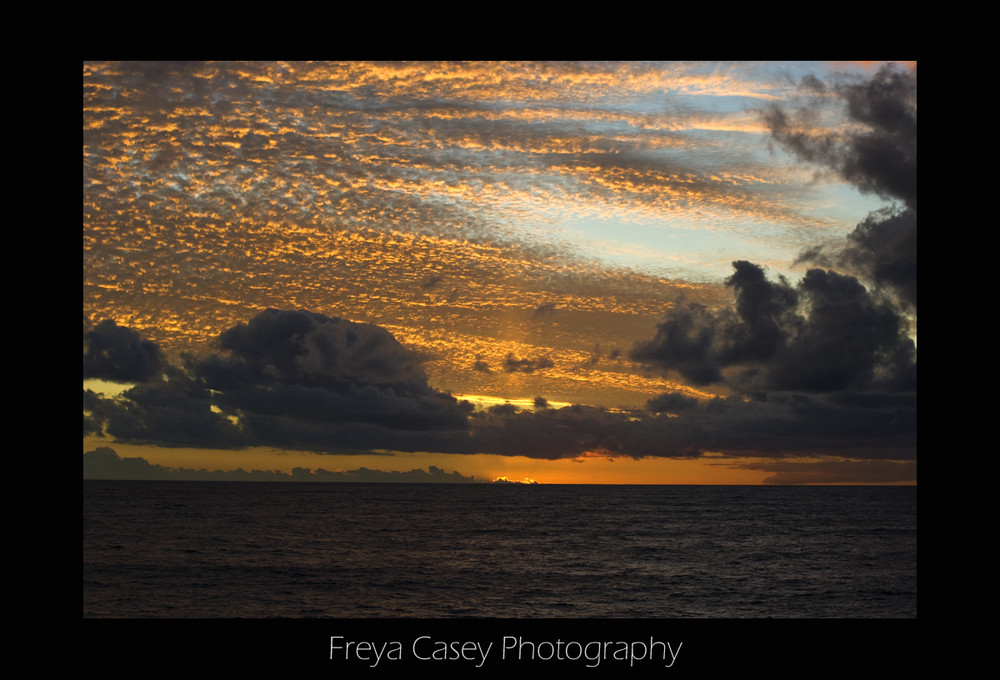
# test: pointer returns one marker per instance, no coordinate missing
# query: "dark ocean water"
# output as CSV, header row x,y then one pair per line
x,y
313,550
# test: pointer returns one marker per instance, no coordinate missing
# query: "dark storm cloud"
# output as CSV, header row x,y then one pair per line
x,y
304,381
685,343
296,380
878,155
881,249
672,402
825,335
309,382
699,343
576,430
789,424
310,349
325,380
825,366
177,412
781,426
112,352
850,340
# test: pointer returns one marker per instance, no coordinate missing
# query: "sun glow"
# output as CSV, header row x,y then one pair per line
x,y
482,402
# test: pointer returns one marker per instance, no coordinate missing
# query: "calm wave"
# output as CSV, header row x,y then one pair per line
x,y
313,550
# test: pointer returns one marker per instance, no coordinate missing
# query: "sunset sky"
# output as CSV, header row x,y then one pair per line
x,y
625,272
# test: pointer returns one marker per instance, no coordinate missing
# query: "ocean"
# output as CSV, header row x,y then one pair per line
x,y
248,550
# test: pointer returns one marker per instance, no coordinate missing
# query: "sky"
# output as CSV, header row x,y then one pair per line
x,y
562,272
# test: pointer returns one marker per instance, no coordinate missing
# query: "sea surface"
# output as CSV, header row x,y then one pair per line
x,y
284,550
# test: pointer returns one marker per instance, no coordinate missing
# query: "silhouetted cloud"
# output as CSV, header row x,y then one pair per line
x,y
827,334
849,340
178,412
828,363
881,249
105,463
877,154
782,425
576,430
313,350
511,364
305,381
786,424
672,402
112,352
292,379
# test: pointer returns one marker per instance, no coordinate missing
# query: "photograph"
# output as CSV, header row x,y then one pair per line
x,y
464,366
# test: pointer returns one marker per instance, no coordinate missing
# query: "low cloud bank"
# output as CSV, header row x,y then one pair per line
x,y
105,463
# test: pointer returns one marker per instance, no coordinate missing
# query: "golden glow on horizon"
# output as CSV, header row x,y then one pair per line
x,y
596,469
589,470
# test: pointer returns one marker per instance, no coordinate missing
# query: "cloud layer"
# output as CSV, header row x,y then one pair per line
x,y
300,380
373,190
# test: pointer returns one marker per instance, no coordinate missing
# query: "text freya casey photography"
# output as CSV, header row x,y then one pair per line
x,y
511,648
